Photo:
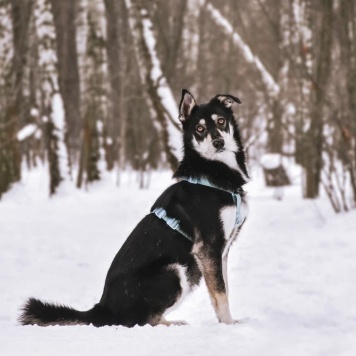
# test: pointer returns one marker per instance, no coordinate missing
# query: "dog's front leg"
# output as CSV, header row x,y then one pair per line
x,y
224,271
211,266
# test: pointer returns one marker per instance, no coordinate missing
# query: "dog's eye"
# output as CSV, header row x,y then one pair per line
x,y
221,121
200,128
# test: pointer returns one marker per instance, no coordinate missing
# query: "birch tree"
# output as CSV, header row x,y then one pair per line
x,y
272,86
266,77
94,99
158,95
314,60
51,113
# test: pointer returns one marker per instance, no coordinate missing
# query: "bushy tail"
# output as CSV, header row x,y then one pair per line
x,y
45,314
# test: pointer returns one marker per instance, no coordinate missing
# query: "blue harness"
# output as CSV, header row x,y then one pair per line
x,y
175,223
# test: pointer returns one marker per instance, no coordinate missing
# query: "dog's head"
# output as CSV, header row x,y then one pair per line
x,y
210,129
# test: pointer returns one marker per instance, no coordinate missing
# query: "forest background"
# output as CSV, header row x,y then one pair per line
x,y
88,82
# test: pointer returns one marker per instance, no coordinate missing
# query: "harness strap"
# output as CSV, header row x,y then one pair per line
x,y
175,223
171,222
237,201
235,196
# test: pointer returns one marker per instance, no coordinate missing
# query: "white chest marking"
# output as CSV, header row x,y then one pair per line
x,y
227,157
228,220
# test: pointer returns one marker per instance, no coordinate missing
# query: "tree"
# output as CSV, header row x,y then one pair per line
x,y
64,15
347,34
115,56
51,105
94,100
15,107
159,97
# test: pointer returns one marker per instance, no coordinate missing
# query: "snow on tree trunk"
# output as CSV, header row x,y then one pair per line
x,y
93,98
273,87
268,80
26,132
58,118
52,110
315,63
159,98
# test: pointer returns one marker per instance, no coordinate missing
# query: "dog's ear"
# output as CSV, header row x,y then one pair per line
x,y
225,99
187,103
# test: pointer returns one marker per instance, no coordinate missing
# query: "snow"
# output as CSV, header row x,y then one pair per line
x,y
291,109
6,40
34,112
291,273
26,132
38,134
271,160
303,34
267,78
100,126
58,113
58,118
44,27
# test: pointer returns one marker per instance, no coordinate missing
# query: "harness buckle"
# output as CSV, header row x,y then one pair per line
x,y
160,213
173,223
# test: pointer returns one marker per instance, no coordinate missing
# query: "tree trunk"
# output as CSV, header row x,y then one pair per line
x,y
21,14
279,102
16,111
93,99
314,136
64,15
347,35
51,103
113,44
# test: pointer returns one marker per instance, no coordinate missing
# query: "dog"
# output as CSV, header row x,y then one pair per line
x,y
186,237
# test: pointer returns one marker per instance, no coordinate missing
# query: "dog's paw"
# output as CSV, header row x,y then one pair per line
x,y
226,320
174,322
178,322
230,322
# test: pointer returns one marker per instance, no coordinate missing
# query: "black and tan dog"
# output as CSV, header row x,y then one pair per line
x,y
186,236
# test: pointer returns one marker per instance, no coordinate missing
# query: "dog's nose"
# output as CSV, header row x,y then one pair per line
x,y
218,143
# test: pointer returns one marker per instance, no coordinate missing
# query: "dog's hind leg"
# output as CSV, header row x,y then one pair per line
x,y
212,267
179,272
147,296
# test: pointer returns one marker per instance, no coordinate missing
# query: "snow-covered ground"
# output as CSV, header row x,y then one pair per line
x,y
292,274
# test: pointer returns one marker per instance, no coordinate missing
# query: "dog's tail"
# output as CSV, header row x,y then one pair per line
x,y
36,312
